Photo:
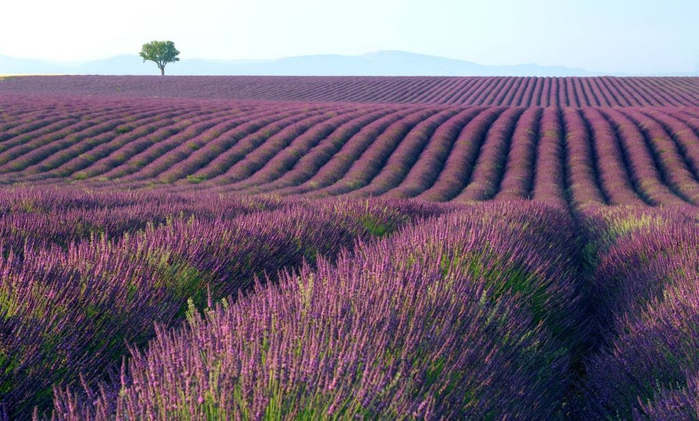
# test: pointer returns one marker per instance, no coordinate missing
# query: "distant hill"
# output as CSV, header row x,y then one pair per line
x,y
382,63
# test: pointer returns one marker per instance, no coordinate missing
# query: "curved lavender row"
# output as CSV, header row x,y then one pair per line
x,y
498,97
580,163
527,94
692,113
19,114
225,161
558,92
460,97
137,125
257,157
36,122
597,93
538,93
645,312
518,179
615,172
22,114
544,94
515,96
628,244
42,130
609,95
199,163
402,159
459,164
686,90
673,164
489,167
687,118
374,155
447,92
450,334
115,290
654,98
563,95
687,140
207,148
48,116
167,123
614,156
226,132
108,129
571,95
154,158
41,218
616,97
401,92
502,84
76,128
309,164
429,164
683,90
445,88
634,97
134,155
284,161
644,169
586,94
18,158
550,180
477,95
334,168
340,91
514,90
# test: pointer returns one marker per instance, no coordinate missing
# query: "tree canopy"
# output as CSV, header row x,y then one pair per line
x,y
161,53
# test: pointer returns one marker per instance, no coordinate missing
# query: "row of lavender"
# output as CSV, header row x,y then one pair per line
x,y
500,310
630,156
86,274
477,314
644,363
502,91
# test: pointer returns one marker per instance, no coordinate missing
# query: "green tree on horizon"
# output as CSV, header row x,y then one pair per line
x,y
161,53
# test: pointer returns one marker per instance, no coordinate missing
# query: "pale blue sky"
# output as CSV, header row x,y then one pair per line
x,y
633,36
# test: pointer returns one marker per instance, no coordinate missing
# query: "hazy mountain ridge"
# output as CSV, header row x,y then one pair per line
x,y
382,63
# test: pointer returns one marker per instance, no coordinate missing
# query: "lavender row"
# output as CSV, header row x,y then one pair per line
x,y
374,157
489,167
499,91
396,165
644,360
462,317
429,164
580,157
518,175
114,290
459,165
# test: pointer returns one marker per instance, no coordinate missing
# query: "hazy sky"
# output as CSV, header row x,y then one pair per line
x,y
634,36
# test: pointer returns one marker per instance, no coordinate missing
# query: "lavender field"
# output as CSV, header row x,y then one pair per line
x,y
254,248
496,90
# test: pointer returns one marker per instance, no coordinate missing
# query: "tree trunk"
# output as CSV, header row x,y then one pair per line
x,y
162,71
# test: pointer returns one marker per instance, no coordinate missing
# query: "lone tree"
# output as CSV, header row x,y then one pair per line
x,y
161,53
